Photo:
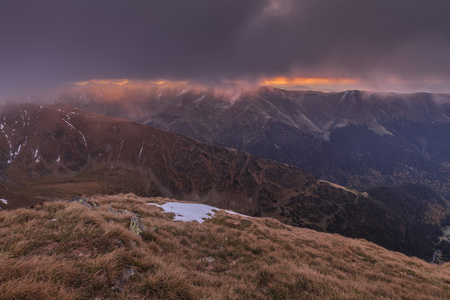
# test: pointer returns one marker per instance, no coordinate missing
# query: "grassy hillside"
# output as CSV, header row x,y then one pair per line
x,y
62,250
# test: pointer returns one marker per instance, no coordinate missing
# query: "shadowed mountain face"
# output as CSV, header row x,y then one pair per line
x,y
354,138
423,210
55,151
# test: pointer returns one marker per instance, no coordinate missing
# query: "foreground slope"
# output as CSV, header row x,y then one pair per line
x,y
62,250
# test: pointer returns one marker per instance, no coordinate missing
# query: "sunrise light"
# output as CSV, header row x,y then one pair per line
x,y
307,80
120,82
102,81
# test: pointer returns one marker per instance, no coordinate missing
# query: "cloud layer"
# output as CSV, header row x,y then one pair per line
x,y
383,44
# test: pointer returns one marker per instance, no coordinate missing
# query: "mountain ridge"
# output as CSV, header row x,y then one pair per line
x,y
52,151
352,138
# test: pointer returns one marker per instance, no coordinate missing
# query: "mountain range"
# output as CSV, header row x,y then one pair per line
x,y
354,138
49,152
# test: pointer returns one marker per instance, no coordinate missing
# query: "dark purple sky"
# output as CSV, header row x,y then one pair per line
x,y
383,44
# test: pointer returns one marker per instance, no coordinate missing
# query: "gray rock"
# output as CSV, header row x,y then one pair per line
x,y
208,260
126,274
127,212
136,225
81,200
113,211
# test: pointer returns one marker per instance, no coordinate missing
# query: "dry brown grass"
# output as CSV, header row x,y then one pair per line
x,y
64,250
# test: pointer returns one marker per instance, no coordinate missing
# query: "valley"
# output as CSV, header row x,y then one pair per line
x,y
58,151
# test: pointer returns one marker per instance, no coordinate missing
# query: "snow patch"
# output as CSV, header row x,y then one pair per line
x,y
120,151
183,91
18,150
82,135
225,104
236,96
188,212
197,101
140,152
4,201
11,153
380,130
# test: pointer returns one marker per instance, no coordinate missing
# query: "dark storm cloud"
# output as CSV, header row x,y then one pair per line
x,y
50,42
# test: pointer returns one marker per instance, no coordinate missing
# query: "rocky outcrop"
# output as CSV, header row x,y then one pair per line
x,y
136,225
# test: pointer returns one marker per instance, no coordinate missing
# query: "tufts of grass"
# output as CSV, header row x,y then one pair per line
x,y
172,283
63,250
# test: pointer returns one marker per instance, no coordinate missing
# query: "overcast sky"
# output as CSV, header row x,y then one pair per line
x,y
379,44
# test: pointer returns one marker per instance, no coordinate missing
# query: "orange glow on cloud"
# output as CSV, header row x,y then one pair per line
x,y
124,82
110,90
320,83
282,81
102,81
